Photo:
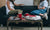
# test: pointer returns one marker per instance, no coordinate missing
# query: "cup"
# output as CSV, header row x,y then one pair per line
x,y
20,15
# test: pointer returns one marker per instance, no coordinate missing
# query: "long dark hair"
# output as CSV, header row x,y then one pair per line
x,y
41,0
48,0
12,1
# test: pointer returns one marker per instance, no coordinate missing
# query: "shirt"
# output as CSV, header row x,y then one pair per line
x,y
43,4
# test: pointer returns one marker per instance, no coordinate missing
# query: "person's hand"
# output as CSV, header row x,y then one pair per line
x,y
38,7
13,9
21,4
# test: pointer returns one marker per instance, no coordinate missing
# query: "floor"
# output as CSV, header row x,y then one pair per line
x,y
24,28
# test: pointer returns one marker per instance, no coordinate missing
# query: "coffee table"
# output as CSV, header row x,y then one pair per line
x,y
31,21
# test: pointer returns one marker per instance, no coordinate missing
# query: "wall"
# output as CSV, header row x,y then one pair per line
x,y
36,2
49,2
25,2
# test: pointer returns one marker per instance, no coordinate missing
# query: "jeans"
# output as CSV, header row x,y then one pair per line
x,y
37,12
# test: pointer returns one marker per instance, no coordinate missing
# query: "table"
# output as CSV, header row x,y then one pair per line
x,y
17,21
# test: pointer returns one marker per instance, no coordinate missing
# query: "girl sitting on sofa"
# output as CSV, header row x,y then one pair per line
x,y
42,8
10,5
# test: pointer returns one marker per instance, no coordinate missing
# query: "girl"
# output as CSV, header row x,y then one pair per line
x,y
42,8
10,5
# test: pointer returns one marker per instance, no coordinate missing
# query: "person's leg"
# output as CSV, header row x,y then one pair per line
x,y
13,13
20,11
42,12
36,12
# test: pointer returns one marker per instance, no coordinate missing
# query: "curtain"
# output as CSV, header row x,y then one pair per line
x,y
2,3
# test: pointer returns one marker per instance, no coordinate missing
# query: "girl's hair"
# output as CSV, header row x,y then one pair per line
x,y
12,1
48,0
41,0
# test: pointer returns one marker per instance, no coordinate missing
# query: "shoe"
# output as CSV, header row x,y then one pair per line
x,y
45,16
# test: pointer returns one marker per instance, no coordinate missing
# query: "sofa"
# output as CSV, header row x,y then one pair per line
x,y
26,9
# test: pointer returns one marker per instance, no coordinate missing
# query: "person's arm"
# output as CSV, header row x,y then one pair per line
x,y
18,4
9,6
45,4
42,8
38,6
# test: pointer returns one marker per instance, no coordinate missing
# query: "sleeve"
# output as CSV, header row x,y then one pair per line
x,y
45,4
